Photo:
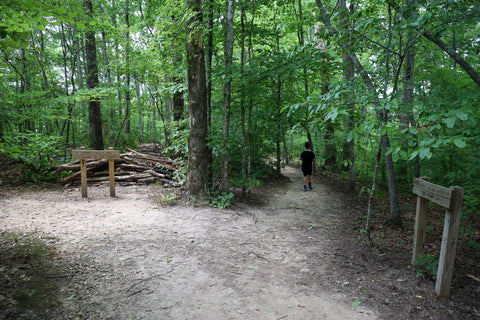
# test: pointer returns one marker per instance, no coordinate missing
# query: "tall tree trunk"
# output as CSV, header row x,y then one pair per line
x,y
166,117
250,102
197,99
65,75
278,116
140,110
227,93
128,97
108,73
28,124
209,59
280,133
243,106
178,100
373,190
285,150
395,212
94,105
406,117
78,73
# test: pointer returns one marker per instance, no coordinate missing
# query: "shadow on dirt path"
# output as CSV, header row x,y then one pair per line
x,y
129,258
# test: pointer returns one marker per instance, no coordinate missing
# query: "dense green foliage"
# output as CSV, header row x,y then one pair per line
x,y
289,81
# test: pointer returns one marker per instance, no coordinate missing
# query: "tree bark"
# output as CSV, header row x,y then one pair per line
x,y
178,100
406,116
209,60
243,20
128,96
197,99
140,109
94,105
227,93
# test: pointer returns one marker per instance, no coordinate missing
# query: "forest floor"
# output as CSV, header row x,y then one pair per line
x,y
286,254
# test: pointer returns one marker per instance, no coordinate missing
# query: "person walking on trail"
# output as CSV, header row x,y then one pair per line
x,y
308,158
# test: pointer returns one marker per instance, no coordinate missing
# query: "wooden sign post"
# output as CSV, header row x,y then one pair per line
x,y
83,155
451,199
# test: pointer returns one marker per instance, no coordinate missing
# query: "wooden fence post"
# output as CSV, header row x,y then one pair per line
x,y
111,175
420,228
449,243
83,175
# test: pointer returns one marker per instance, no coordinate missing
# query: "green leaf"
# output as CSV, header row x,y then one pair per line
x,y
350,136
356,303
459,143
425,153
332,115
71,297
450,122
414,155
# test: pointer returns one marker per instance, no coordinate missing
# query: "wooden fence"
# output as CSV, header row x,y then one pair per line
x,y
451,199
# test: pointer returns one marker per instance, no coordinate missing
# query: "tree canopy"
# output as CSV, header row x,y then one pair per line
x,y
348,76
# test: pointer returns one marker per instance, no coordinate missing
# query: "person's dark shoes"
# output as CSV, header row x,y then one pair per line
x,y
305,188
310,187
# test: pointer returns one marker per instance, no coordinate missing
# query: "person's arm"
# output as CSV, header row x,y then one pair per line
x,y
315,164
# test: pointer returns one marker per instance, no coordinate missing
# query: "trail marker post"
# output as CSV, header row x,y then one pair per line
x,y
85,155
451,199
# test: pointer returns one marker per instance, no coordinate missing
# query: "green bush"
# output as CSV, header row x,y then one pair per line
x,y
38,153
220,199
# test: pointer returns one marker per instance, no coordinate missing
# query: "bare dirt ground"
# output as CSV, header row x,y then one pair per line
x,y
288,255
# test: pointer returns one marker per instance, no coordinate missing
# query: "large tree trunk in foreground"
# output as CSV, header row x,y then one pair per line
x,y
94,112
197,99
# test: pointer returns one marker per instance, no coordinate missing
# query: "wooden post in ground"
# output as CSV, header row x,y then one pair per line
x,y
420,228
83,175
420,225
449,243
111,175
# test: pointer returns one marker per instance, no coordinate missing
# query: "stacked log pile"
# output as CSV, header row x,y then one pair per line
x,y
132,167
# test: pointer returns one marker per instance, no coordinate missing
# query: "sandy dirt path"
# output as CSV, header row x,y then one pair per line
x,y
130,258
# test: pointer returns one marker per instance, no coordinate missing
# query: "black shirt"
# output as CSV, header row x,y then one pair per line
x,y
307,157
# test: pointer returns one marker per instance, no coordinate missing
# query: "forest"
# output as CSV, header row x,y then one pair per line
x,y
386,90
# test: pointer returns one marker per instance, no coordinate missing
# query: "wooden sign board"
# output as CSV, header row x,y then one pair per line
x,y
85,155
95,154
435,193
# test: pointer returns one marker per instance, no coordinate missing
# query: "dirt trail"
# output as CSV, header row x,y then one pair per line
x,y
130,258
